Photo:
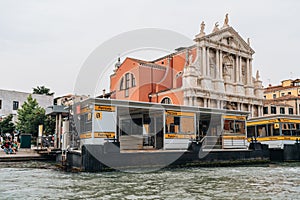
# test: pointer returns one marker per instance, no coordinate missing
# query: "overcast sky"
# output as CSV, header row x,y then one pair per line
x,y
45,42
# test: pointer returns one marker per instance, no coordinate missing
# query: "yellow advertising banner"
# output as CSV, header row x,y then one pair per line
x,y
85,135
179,113
105,108
104,134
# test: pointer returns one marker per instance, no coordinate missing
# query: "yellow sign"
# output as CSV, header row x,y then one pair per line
x,y
104,134
179,136
105,108
276,126
85,110
234,117
89,116
179,113
274,138
85,135
98,115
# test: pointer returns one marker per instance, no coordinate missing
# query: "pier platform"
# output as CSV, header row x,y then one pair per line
x,y
25,155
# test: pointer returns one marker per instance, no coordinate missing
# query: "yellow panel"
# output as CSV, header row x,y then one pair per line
x,y
105,108
234,117
180,136
275,138
178,113
104,134
85,110
98,115
85,135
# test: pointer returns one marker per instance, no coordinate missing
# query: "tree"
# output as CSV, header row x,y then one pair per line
x,y
30,116
49,125
42,90
6,125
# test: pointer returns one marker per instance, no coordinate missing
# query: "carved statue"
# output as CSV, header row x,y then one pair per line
x,y
226,20
248,41
202,27
257,75
216,28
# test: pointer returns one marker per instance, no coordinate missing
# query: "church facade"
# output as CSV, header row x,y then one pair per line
x,y
215,72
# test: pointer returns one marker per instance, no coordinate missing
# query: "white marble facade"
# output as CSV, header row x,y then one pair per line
x,y
220,76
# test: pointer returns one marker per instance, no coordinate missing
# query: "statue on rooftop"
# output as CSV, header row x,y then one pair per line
x,y
216,28
202,27
257,75
226,20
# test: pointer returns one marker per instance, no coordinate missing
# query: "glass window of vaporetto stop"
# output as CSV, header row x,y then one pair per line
x,y
277,125
140,125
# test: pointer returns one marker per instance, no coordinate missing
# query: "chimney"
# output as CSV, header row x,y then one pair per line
x,y
103,93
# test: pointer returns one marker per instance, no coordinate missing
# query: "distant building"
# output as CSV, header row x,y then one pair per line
x,y
215,72
61,109
11,101
282,99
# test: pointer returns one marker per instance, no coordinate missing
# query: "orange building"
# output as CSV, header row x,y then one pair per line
x,y
215,72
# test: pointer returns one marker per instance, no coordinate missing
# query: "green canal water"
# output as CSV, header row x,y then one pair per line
x,y
38,180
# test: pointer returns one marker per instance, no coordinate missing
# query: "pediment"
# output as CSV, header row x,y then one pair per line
x,y
230,37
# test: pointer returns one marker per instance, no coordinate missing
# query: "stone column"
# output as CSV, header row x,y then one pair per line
x,y
186,101
208,102
204,61
207,62
217,65
204,103
221,65
190,101
240,70
248,71
237,67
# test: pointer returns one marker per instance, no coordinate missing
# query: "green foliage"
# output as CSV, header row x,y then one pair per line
x,y
30,116
42,90
6,125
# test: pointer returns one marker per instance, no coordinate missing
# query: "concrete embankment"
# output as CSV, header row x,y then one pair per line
x,y
26,155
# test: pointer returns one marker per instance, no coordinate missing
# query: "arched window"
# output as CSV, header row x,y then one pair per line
x,y
122,83
166,100
132,81
126,82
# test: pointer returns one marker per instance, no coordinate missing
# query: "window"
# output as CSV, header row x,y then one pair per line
x,y
122,84
282,110
274,96
265,110
282,94
0,104
15,105
127,83
273,110
132,80
265,97
166,100
291,111
127,79
289,93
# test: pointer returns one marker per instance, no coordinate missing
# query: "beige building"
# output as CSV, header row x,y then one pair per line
x,y
282,99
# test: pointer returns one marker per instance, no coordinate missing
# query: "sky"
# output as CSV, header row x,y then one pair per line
x,y
46,42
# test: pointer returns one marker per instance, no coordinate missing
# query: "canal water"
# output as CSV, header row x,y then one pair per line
x,y
39,180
